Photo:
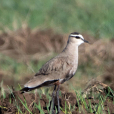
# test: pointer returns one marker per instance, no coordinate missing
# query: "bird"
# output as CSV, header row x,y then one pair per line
x,y
58,69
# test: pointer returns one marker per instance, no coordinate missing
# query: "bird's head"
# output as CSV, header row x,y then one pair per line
x,y
77,38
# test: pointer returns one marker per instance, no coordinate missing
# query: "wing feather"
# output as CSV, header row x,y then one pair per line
x,y
54,65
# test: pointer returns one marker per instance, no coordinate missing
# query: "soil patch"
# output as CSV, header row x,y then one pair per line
x,y
71,102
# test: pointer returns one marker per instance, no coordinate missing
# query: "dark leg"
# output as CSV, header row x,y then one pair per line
x,y
58,99
52,101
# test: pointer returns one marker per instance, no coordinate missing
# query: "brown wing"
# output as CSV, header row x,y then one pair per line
x,y
55,65
55,69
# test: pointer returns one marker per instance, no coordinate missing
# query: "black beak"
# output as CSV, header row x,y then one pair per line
x,y
85,41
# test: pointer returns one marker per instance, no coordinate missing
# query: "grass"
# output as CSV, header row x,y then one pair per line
x,y
83,104
93,16
90,107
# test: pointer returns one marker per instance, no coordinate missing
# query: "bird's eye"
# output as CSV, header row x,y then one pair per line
x,y
77,37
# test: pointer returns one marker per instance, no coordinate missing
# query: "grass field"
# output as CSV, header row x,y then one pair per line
x,y
22,38
94,17
94,102
93,64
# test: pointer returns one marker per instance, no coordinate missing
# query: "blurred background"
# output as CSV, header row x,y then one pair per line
x,y
33,31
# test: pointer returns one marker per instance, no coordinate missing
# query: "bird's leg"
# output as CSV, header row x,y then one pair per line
x,y
57,93
52,101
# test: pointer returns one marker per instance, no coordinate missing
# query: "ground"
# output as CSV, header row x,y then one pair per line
x,y
30,49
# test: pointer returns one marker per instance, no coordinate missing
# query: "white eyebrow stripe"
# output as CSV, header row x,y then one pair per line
x,y
73,35
77,35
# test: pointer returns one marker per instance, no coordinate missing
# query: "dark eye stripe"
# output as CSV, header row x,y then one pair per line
x,y
77,37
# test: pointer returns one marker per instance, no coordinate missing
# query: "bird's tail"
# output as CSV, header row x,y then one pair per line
x,y
25,89
47,83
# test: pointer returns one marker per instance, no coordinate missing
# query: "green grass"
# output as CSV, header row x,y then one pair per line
x,y
90,107
92,16
84,104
